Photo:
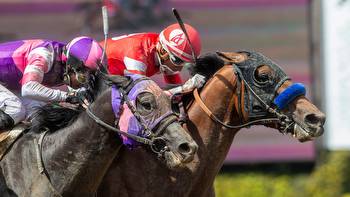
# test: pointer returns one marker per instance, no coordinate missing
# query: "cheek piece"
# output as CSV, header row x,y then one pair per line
x,y
288,95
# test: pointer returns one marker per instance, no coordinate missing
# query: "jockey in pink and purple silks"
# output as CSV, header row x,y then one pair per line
x,y
29,69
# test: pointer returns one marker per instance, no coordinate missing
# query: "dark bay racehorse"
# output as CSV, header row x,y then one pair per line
x,y
72,161
240,93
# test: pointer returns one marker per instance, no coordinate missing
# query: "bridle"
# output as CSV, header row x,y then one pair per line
x,y
247,124
150,136
284,121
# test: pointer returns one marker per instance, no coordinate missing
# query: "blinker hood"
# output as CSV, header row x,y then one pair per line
x,y
266,89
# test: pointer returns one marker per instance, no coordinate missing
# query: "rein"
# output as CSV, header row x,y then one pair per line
x,y
153,142
150,138
109,127
216,119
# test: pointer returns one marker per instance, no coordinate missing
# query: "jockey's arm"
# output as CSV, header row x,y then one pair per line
x,y
40,61
196,81
37,91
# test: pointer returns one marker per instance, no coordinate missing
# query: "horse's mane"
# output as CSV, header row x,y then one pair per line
x,y
55,117
207,65
52,117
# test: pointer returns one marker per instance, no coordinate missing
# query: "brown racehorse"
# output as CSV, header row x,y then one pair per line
x,y
227,99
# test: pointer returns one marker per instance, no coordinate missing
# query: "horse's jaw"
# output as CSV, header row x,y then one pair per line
x,y
173,161
304,132
300,130
308,119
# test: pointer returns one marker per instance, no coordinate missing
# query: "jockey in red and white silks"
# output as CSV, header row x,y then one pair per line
x,y
30,68
150,53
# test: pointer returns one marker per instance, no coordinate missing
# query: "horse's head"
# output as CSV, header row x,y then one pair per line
x,y
144,112
265,91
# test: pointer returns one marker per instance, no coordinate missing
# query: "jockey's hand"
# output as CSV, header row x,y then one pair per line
x,y
73,99
79,96
197,81
85,93
6,122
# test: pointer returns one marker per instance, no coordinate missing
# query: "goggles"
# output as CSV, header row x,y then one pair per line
x,y
78,68
175,60
81,77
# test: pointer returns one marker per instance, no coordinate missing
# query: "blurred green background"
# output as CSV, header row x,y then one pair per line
x,y
329,178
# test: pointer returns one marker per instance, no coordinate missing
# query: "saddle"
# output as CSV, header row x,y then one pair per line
x,y
7,138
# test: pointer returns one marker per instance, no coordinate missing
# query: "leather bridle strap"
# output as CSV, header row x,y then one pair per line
x,y
215,119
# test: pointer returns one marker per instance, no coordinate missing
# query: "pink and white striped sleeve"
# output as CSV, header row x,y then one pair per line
x,y
39,62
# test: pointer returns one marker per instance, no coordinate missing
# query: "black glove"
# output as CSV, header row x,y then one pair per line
x,y
6,122
74,99
78,97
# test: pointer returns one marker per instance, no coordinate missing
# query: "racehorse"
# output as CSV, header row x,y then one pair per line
x,y
73,160
242,91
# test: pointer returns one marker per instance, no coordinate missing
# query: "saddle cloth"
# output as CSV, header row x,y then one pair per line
x,y
7,138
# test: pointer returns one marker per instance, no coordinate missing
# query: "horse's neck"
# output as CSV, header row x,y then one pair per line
x,y
79,155
218,96
213,139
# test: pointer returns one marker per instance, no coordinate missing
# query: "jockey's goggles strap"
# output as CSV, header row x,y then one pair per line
x,y
289,94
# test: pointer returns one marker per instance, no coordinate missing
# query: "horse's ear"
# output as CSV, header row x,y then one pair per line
x,y
121,81
232,57
118,80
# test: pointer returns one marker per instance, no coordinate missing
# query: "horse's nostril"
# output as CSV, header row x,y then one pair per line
x,y
187,150
315,119
184,148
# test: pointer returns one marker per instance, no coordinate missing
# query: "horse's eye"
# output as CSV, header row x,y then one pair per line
x,y
262,75
145,103
262,78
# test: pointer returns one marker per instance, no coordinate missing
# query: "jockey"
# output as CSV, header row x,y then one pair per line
x,y
30,68
150,53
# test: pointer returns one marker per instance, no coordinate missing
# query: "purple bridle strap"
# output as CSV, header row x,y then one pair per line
x,y
124,107
116,101
158,120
